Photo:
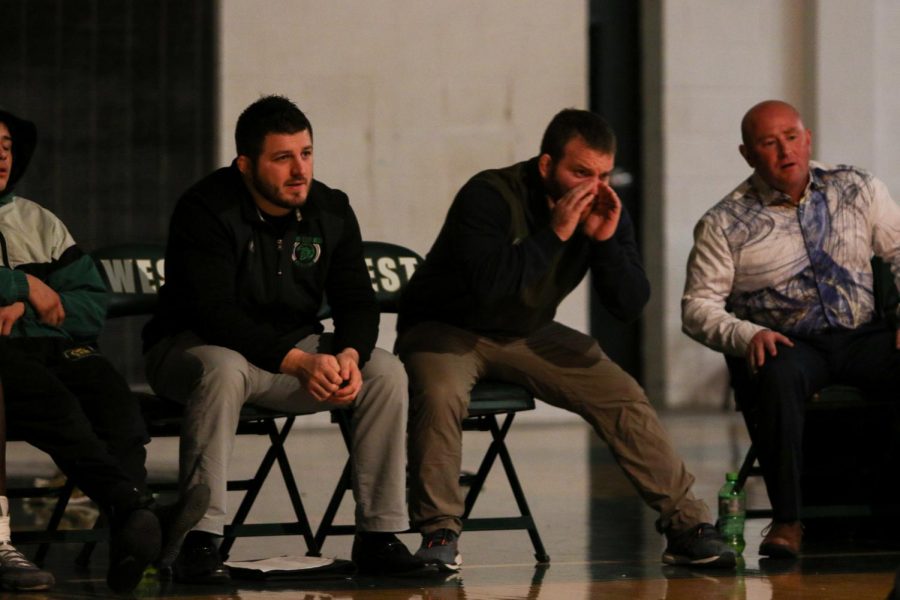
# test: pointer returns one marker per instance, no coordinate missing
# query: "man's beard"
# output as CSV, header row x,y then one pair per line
x,y
271,193
553,187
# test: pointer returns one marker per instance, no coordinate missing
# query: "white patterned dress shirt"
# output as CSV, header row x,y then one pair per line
x,y
759,262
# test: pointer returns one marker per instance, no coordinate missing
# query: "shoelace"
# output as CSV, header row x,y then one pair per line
x,y
10,557
395,546
441,538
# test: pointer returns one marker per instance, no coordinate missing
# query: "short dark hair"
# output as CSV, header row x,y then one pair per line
x,y
571,122
269,114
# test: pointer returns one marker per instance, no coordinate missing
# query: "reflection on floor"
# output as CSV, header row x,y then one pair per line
x,y
601,539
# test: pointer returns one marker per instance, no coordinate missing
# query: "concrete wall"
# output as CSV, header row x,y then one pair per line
x,y
857,92
708,61
409,98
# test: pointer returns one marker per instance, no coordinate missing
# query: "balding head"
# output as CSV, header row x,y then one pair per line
x,y
777,146
762,112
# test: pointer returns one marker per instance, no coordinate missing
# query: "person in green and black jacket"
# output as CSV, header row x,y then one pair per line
x,y
61,394
17,573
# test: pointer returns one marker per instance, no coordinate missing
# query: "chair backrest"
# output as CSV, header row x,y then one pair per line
x,y
390,268
885,290
135,272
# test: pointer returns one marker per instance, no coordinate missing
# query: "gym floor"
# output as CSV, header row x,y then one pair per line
x,y
600,537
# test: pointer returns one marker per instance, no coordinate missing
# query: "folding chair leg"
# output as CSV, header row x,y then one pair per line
x,y
486,463
59,510
498,448
327,526
275,452
746,467
291,484
539,552
87,550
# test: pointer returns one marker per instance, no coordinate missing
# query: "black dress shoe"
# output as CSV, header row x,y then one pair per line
x,y
177,519
384,554
135,540
199,561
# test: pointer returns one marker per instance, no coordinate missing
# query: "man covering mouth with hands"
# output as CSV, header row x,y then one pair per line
x,y
515,242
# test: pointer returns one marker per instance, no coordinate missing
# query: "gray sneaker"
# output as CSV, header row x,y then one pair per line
x,y
19,574
699,546
441,549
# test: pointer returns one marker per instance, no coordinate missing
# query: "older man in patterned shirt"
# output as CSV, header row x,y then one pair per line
x,y
780,274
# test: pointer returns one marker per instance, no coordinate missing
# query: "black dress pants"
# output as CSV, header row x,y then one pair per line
x,y
773,400
69,401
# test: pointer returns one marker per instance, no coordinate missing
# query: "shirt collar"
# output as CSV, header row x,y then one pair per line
x,y
770,196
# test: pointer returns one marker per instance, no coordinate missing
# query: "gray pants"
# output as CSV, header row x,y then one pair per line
x,y
558,365
214,382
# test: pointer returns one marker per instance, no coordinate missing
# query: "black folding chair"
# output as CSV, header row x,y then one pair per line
x,y
390,267
837,406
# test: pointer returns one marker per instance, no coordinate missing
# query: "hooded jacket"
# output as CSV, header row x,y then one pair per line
x,y
236,281
34,241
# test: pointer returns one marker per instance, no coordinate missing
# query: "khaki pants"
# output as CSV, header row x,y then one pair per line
x,y
214,383
558,365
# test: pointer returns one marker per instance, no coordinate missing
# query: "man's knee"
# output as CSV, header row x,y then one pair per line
x,y
611,384
439,393
385,376
215,377
781,378
387,368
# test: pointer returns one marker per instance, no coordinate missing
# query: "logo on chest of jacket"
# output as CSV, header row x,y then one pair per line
x,y
306,251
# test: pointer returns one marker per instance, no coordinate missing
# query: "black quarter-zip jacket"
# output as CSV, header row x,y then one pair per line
x,y
240,282
498,269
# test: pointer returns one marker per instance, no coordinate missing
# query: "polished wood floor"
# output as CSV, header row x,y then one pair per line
x,y
600,537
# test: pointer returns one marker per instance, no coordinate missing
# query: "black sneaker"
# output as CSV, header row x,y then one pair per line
x,y
177,519
699,546
199,560
19,574
441,548
134,543
383,554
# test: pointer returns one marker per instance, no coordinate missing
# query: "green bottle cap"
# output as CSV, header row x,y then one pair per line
x,y
731,476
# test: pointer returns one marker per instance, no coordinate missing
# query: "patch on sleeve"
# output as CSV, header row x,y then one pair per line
x,y
79,352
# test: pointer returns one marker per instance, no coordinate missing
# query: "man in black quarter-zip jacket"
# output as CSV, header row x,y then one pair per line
x,y
253,249
515,242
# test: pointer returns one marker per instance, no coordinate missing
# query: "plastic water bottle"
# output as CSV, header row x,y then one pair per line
x,y
732,513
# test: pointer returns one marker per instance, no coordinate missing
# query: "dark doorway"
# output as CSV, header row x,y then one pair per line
x,y
615,92
123,95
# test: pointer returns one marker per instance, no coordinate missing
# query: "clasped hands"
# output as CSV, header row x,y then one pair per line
x,y
334,378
